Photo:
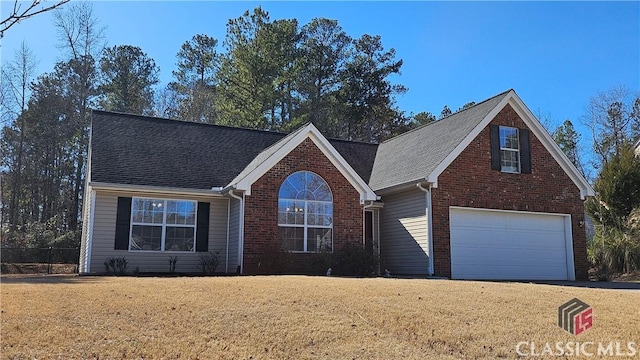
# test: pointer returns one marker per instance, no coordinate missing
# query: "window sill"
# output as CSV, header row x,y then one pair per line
x,y
162,251
310,252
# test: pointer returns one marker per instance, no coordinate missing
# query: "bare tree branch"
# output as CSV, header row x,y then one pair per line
x,y
17,14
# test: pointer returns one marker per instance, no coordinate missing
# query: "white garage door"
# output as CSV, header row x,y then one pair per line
x,y
510,245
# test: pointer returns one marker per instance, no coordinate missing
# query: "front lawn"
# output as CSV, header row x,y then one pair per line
x,y
295,317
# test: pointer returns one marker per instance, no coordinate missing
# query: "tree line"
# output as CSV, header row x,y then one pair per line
x,y
265,74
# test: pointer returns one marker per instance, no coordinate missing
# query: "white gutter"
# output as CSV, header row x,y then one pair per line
x,y
153,189
240,229
427,192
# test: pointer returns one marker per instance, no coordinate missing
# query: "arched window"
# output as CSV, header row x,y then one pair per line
x,y
305,213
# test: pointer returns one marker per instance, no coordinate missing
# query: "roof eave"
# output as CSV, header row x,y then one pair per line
x,y
527,116
309,130
153,189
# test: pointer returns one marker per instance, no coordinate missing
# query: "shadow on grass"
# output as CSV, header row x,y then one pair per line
x,y
50,279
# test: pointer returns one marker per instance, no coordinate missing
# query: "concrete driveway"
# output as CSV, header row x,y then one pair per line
x,y
611,285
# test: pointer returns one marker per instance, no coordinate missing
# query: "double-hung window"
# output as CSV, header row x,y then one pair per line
x,y
163,225
305,213
509,150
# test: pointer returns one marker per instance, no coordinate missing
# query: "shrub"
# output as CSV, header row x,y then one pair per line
x,y
322,261
274,260
355,260
209,262
616,248
116,265
172,263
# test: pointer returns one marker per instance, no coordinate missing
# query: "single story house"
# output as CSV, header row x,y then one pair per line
x,y
484,193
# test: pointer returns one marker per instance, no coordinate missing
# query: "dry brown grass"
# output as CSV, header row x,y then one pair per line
x,y
294,317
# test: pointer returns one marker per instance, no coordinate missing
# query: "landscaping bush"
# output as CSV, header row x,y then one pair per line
x,y
209,262
274,260
172,264
116,265
355,260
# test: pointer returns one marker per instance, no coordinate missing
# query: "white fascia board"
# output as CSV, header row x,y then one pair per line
x,y
152,189
311,132
560,157
433,176
534,125
245,183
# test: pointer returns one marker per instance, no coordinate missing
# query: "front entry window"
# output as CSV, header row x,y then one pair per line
x,y
305,213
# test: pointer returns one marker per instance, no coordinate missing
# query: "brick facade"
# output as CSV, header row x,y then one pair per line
x,y
261,213
470,182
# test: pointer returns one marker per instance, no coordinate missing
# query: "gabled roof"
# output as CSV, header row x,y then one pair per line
x,y
429,150
144,151
270,156
147,151
426,147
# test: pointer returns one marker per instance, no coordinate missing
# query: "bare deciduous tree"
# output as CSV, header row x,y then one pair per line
x,y
612,119
16,77
32,8
81,38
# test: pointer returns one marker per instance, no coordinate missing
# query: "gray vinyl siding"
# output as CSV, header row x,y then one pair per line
x,y
104,237
234,235
403,227
84,242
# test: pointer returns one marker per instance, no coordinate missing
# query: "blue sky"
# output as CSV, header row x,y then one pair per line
x,y
556,55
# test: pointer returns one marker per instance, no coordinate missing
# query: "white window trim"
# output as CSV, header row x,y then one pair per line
x,y
163,225
307,226
517,151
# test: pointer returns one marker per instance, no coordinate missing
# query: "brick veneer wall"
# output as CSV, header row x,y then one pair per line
x,y
261,211
470,182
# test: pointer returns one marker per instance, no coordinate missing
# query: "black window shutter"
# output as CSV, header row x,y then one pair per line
x,y
495,147
123,223
202,227
525,152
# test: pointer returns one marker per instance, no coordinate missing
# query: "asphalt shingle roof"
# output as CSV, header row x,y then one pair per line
x,y
139,150
412,156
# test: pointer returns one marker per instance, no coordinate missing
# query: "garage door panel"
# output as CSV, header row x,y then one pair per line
x,y
533,273
514,238
506,256
487,244
497,243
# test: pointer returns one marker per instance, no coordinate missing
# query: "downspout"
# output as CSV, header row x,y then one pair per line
x,y
92,215
240,229
427,192
226,264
